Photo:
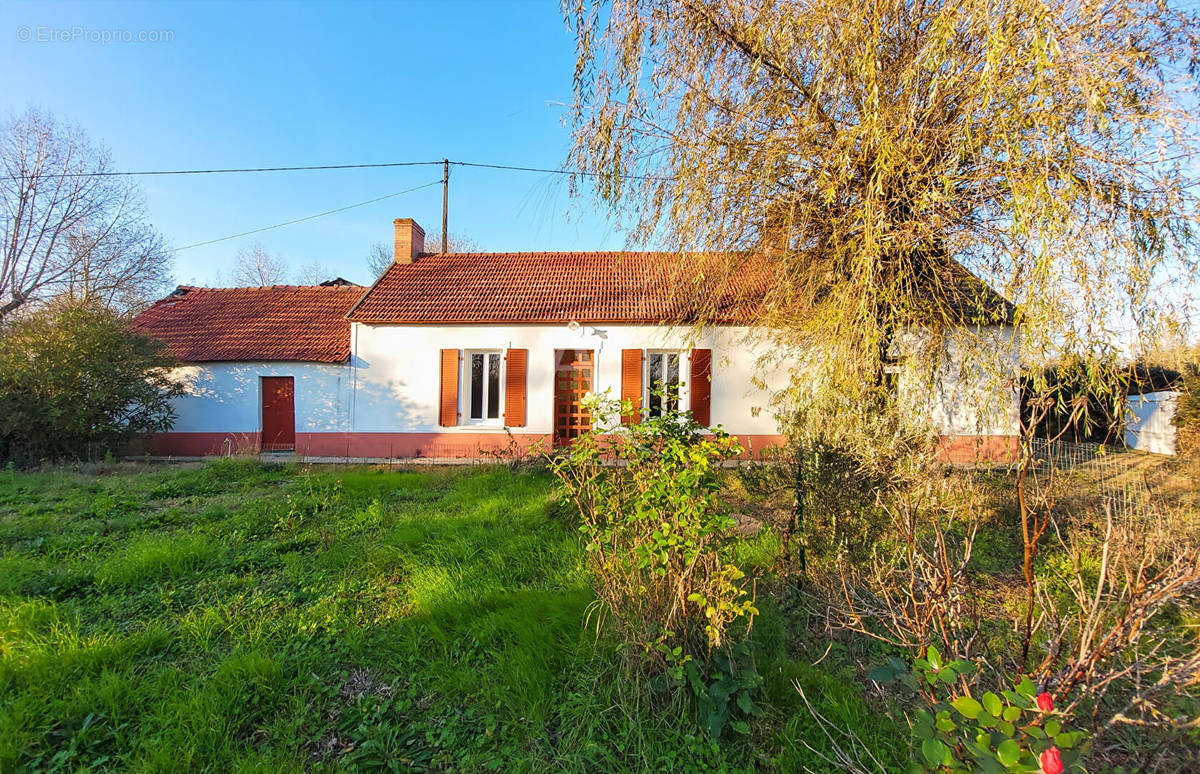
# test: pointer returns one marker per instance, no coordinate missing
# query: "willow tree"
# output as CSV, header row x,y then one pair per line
x,y
869,150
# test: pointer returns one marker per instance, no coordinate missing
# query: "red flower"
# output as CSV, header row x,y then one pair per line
x,y
1052,759
1045,702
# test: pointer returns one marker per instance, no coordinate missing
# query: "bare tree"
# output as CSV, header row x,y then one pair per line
x,y
380,255
255,267
126,273
455,243
379,258
70,226
313,273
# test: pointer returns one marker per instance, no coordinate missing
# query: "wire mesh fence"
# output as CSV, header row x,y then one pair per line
x,y
1122,482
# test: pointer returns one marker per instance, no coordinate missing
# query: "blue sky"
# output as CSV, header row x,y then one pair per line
x,y
279,84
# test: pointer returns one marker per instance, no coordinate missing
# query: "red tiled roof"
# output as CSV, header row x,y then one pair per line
x,y
610,287
281,322
591,287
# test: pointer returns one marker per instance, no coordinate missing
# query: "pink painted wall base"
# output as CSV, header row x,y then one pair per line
x,y
978,449
963,449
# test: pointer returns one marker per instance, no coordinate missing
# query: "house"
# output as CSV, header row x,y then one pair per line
x,y
264,368
468,355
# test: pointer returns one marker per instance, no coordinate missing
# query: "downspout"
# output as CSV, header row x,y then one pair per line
x,y
353,376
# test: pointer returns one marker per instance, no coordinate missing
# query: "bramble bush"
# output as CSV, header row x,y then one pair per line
x,y
1098,629
654,526
1015,730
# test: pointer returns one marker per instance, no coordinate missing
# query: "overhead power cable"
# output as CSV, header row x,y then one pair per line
x,y
325,167
229,170
309,217
549,171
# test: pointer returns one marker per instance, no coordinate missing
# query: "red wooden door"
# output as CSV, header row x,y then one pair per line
x,y
572,380
278,413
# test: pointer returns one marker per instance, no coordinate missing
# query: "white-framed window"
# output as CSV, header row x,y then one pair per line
x,y
665,388
484,385
891,371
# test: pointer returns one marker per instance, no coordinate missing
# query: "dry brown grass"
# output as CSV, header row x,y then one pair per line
x,y
1116,573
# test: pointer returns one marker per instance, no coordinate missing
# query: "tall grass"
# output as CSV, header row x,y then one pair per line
x,y
235,617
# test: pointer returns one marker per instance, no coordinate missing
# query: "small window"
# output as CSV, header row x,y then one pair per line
x,y
663,384
890,376
483,386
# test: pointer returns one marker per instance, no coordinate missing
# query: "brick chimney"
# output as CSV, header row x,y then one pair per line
x,y
410,240
779,227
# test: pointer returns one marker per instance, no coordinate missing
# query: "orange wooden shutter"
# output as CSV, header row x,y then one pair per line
x,y
701,386
631,383
514,388
448,407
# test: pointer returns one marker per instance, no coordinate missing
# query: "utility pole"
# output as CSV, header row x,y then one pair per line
x,y
445,198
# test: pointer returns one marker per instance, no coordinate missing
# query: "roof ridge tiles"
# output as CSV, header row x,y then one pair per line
x,y
608,285
267,322
332,288
573,253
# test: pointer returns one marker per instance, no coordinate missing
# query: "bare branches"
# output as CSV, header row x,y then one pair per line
x,y
1103,631
256,267
65,233
380,255
314,274
1109,630
379,258
455,243
917,589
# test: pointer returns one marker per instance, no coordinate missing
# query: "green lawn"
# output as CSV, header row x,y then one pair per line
x,y
235,617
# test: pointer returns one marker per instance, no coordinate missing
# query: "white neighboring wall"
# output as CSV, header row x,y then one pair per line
x,y
1149,424
227,397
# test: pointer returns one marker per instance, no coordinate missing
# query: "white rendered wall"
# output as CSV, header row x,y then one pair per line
x,y
1149,425
975,392
392,383
397,374
226,397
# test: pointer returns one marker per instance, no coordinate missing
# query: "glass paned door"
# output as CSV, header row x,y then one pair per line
x,y
572,380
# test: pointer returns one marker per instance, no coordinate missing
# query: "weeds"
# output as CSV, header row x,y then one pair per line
x,y
653,526
417,620
1102,635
